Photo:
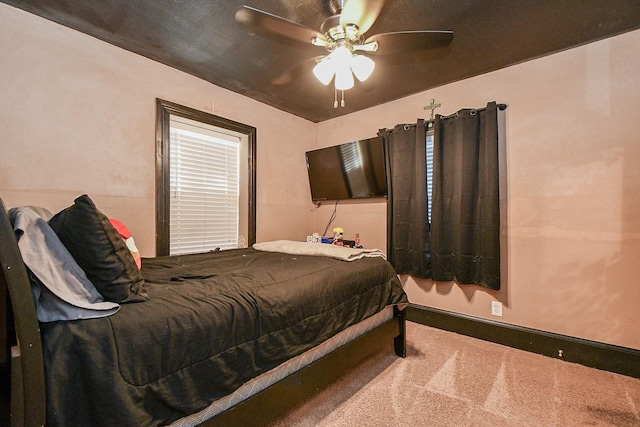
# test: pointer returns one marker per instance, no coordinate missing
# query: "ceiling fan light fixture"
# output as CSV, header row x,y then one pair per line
x,y
362,67
324,70
342,37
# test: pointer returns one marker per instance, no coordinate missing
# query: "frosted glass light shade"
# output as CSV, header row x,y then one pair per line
x,y
324,70
344,78
341,57
362,67
341,61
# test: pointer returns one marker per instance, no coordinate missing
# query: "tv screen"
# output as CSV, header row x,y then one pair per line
x,y
354,170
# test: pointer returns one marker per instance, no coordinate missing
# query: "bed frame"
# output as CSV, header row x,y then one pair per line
x,y
28,396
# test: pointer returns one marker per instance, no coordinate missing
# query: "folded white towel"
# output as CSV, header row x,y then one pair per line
x,y
304,248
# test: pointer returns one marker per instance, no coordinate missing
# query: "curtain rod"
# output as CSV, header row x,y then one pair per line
x,y
430,122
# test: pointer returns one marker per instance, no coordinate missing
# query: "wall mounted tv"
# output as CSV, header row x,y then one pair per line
x,y
354,170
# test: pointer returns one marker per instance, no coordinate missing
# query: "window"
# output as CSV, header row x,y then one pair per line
x,y
429,143
205,173
455,235
204,189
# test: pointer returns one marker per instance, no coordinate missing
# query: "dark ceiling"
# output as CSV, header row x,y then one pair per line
x,y
201,37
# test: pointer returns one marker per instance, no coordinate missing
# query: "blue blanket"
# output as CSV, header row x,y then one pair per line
x,y
61,288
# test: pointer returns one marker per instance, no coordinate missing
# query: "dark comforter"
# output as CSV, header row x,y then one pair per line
x,y
213,321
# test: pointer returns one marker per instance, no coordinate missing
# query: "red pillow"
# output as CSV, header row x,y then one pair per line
x,y
128,240
122,229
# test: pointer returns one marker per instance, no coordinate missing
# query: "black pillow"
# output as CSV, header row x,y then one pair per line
x,y
97,247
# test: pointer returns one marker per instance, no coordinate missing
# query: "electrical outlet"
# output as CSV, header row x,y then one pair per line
x,y
496,308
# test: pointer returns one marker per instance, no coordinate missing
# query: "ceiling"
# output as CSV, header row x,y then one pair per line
x,y
201,37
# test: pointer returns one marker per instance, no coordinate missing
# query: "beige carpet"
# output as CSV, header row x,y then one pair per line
x,y
452,380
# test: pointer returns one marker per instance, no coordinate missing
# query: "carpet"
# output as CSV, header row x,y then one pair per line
x,y
449,379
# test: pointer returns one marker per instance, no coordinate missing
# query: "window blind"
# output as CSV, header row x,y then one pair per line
x,y
429,146
204,188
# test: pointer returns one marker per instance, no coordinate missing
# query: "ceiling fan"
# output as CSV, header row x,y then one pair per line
x,y
342,36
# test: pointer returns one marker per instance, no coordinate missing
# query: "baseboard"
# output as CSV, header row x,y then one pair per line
x,y
621,360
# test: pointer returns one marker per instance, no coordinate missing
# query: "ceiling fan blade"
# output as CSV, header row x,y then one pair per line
x,y
409,41
362,13
303,69
276,27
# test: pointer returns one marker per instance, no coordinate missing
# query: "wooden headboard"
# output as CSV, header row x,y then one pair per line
x,y
28,399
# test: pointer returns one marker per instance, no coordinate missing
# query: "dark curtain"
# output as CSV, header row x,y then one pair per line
x,y
407,220
465,216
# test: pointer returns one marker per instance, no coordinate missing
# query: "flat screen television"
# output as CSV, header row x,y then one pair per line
x,y
354,170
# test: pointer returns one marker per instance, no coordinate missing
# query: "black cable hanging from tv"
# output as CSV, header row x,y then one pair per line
x,y
331,219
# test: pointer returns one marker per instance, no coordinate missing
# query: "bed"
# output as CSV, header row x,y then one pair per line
x,y
224,338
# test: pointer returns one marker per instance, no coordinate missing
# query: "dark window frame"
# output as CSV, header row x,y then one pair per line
x,y
164,109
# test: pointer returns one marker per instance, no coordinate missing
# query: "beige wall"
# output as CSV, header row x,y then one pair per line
x,y
571,253
78,116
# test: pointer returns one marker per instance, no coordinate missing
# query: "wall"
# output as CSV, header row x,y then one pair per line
x,y
78,116
571,237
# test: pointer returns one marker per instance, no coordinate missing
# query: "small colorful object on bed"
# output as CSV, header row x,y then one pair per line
x,y
337,235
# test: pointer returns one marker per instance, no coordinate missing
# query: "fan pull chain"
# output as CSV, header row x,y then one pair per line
x,y
335,98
